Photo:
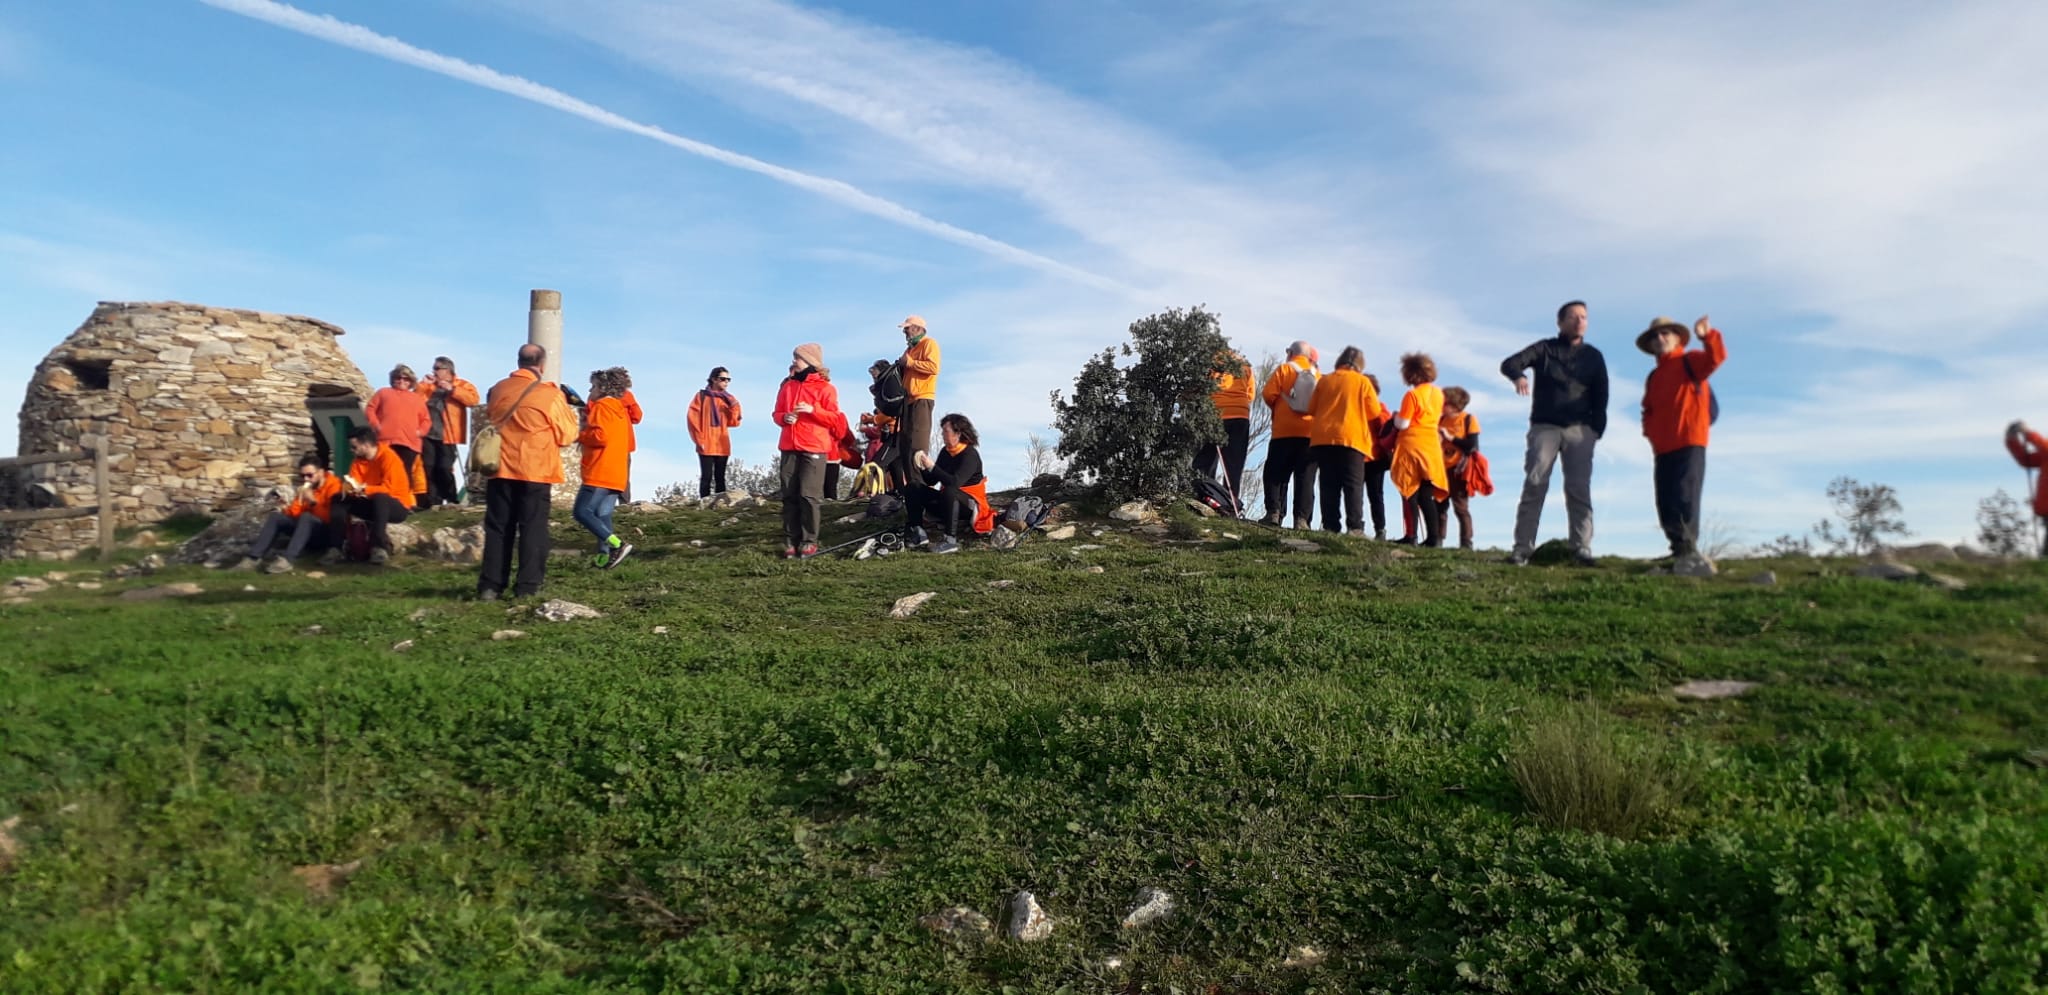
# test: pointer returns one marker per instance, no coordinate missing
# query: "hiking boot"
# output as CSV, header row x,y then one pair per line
x,y
1518,558
379,556
246,564
789,552
1466,545
331,557
946,545
1405,541
916,536
1300,524
487,595
618,555
1380,534
1356,533
1272,520
1583,558
809,550
278,565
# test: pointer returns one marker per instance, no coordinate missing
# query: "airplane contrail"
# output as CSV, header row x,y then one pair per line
x,y
355,36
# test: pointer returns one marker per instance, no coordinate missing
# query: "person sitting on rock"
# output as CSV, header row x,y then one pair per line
x,y
607,445
954,491
304,520
377,491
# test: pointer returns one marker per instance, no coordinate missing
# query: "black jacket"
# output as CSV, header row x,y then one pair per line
x,y
1569,383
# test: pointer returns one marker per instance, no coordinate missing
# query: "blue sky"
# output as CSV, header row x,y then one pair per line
x,y
1857,193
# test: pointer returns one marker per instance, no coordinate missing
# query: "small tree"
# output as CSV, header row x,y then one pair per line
x,y
1869,515
1134,429
1040,457
2003,526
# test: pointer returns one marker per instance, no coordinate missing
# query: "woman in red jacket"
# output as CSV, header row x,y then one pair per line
x,y
2031,450
807,409
399,414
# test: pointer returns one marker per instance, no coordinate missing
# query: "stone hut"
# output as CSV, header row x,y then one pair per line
x,y
202,407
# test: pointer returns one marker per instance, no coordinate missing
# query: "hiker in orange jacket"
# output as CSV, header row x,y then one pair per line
x,y
1345,410
1290,392
1460,432
534,424
607,440
807,408
1418,468
1677,414
2031,451
377,490
1233,397
448,399
920,362
714,413
306,516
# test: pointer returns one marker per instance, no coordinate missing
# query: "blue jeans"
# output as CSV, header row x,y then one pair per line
x,y
593,511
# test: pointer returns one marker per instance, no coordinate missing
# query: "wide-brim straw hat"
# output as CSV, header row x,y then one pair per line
x,y
1647,341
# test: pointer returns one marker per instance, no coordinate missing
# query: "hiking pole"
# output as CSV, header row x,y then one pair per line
x,y
886,538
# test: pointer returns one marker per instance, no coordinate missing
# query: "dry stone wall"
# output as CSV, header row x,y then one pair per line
x,y
202,407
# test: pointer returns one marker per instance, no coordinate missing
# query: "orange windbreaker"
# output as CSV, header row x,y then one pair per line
x,y
462,396
607,440
1286,423
2032,451
1234,391
384,473
1419,450
1677,401
321,502
533,435
711,421
400,417
921,369
816,431
1345,410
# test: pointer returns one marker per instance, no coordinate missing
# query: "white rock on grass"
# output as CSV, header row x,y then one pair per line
x,y
1151,905
1134,511
1095,570
1303,957
1001,585
1711,690
401,646
1062,533
27,585
504,635
908,604
181,589
1693,565
1028,922
1765,578
557,610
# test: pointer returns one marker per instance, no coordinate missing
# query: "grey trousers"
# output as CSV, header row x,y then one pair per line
x,y
1546,443
803,494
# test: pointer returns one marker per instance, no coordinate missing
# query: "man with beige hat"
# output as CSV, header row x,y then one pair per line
x,y
1678,410
920,363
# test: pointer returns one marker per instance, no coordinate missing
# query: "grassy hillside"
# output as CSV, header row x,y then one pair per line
x,y
1305,749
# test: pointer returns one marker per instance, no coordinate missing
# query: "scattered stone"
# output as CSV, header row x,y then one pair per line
x,y
557,610
322,880
1151,905
248,588
1711,690
1931,552
1062,533
728,499
1112,963
1028,922
144,539
1233,536
1086,546
1887,570
27,585
1304,545
401,646
957,921
315,575
181,589
1097,533
409,539
1134,511
1765,578
848,520
1201,509
661,630
150,564
730,522
1095,570
1002,585
649,508
696,544
417,615
1152,528
57,576
1693,565
503,635
1302,958
1395,553
312,630
457,545
1945,582
89,585
9,846
16,599
908,605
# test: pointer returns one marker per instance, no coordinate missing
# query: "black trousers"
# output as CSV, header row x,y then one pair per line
x,y
408,456
1680,474
803,495
307,532
711,474
1376,494
915,436
515,516
379,511
1343,473
1430,509
1287,461
831,488
441,487
950,509
1237,433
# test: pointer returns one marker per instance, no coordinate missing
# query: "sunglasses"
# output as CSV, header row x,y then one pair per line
x,y
722,379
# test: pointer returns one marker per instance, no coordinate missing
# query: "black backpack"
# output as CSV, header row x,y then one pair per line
x,y
890,397
1213,494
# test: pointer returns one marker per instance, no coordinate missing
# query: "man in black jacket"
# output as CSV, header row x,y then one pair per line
x,y
1568,416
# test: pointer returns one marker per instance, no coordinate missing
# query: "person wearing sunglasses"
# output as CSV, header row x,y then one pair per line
x,y
304,519
714,413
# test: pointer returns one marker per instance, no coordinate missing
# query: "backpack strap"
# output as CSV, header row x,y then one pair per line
x,y
516,402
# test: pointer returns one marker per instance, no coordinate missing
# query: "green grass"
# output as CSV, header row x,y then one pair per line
x,y
1306,749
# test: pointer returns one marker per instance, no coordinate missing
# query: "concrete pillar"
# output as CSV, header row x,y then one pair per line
x,y
544,329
